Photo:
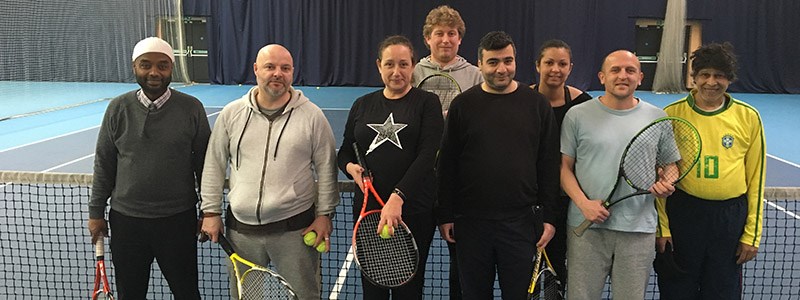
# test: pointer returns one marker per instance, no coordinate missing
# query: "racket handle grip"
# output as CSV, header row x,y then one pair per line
x,y
99,247
358,154
225,244
582,228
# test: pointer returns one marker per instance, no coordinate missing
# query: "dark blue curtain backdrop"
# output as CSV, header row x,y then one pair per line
x,y
334,41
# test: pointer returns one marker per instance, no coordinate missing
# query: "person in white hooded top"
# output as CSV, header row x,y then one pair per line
x,y
276,141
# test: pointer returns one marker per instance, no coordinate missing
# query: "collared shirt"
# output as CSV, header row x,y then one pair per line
x,y
159,102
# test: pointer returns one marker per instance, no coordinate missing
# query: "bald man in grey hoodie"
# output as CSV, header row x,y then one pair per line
x,y
275,142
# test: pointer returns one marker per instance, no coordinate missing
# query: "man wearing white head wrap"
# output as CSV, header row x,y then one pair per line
x,y
152,44
149,158
152,65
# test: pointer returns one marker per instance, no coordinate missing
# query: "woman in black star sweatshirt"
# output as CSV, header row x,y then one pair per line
x,y
398,128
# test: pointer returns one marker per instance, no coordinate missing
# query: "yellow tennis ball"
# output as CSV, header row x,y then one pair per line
x,y
385,232
317,87
310,238
322,247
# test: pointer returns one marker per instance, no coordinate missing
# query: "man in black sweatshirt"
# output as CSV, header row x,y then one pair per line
x,y
499,175
149,158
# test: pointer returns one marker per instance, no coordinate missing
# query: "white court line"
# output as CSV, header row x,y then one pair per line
x,y
90,155
783,160
68,163
60,136
778,207
49,139
342,275
76,105
783,209
68,133
64,135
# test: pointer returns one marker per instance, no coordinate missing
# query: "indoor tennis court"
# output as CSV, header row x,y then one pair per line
x,y
53,95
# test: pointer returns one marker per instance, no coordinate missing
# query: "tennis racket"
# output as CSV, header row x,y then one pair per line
x,y
444,86
256,282
668,148
544,282
388,262
102,289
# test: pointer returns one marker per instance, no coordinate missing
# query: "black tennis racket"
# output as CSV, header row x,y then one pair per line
x,y
256,282
444,86
544,282
666,149
388,262
102,289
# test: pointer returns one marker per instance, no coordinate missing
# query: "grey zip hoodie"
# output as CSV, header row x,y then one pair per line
x,y
272,163
466,74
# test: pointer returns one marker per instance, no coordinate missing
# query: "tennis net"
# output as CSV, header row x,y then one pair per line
x,y
46,253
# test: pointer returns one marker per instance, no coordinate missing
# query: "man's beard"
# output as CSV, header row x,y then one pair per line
x,y
142,81
277,92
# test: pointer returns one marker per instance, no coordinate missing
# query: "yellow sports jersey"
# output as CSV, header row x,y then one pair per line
x,y
732,162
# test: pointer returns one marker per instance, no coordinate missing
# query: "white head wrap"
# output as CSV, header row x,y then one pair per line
x,y
152,44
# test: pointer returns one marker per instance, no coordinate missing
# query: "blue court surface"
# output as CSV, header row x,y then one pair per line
x,y
36,137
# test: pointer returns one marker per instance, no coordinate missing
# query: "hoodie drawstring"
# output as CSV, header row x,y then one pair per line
x,y
278,143
241,136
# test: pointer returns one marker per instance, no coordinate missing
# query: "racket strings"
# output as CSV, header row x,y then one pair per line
x,y
650,154
688,142
389,262
641,158
262,284
545,283
103,296
547,286
443,87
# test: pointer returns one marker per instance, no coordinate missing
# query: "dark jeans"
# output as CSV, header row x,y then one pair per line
x,y
172,241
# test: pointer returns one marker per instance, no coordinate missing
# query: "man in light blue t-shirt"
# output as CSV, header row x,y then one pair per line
x,y
593,137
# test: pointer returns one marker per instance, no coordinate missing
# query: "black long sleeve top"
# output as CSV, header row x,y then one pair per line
x,y
401,137
499,156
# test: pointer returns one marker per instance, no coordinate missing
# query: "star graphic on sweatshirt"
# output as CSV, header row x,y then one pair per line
x,y
386,132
